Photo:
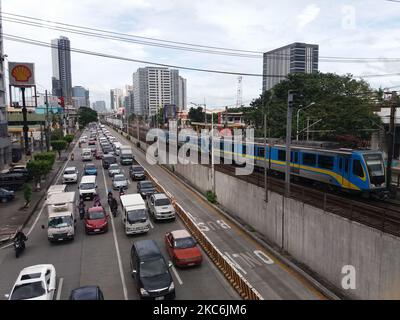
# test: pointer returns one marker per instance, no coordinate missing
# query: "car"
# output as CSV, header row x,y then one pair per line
x,y
70,175
6,195
160,207
90,169
87,293
92,142
145,188
114,169
151,272
137,172
107,160
99,154
36,282
119,181
96,220
183,249
19,170
83,139
108,150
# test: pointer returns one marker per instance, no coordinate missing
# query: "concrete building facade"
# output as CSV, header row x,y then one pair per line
x,y
80,97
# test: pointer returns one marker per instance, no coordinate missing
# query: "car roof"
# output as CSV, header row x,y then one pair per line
x,y
180,234
70,168
89,164
39,268
85,293
146,181
119,175
147,248
158,196
135,166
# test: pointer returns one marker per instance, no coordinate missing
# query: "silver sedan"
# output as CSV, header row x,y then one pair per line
x,y
119,181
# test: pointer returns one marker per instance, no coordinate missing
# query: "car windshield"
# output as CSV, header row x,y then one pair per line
x,y
97,215
69,171
60,222
119,178
137,170
162,202
28,291
153,268
136,216
90,166
184,243
87,186
146,185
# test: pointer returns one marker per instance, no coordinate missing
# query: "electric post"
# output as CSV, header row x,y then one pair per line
x,y
288,140
392,129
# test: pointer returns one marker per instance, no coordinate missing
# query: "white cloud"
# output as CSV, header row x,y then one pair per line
x,y
309,14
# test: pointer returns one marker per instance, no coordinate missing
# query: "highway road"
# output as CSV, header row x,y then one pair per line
x,y
104,259
265,272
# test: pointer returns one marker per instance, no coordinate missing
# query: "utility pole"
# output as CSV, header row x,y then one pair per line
x,y
288,140
265,151
392,129
25,121
47,129
205,113
308,127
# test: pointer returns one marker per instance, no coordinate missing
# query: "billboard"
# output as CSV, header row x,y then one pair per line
x,y
21,74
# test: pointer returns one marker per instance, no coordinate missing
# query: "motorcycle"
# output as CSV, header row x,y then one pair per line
x,y
81,212
72,157
19,246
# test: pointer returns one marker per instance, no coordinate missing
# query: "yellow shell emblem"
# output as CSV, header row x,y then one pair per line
x,y
21,73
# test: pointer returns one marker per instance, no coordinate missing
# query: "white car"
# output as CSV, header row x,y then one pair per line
x,y
35,283
70,175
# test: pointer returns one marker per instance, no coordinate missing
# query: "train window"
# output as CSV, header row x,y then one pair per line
x,y
309,159
346,165
325,162
340,164
357,169
294,157
281,155
261,152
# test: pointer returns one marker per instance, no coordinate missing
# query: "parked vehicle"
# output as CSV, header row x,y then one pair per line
x,y
114,169
145,188
61,216
90,169
87,154
126,155
134,214
87,293
6,195
160,207
119,181
137,172
70,175
96,220
20,169
107,160
151,272
12,181
182,248
34,283
87,187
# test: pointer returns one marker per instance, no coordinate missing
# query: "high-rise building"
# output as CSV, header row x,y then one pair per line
x,y
116,99
293,58
80,97
62,78
5,142
100,106
156,87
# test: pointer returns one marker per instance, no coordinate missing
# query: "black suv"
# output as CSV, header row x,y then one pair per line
x,y
151,272
137,173
145,188
107,160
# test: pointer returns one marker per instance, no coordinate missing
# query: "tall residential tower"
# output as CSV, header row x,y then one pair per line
x,y
62,78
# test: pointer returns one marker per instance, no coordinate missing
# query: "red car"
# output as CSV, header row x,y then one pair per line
x,y
183,249
96,220
99,154
92,142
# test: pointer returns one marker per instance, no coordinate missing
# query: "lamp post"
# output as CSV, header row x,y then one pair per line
x,y
297,122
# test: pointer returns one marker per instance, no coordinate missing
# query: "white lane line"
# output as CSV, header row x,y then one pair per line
x,y
151,225
59,289
177,275
121,272
190,215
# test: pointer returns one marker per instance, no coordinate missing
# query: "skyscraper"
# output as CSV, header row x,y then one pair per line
x,y
62,79
293,58
80,97
5,143
116,99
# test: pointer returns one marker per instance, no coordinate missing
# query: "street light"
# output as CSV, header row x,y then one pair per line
x,y
298,114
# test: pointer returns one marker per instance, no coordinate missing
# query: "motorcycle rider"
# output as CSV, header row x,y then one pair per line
x,y
72,156
96,201
81,208
110,197
114,206
20,237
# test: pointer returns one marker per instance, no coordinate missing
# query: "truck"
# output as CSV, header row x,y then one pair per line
x,y
56,188
135,218
61,216
126,155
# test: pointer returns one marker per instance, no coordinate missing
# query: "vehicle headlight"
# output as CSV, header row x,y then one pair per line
x,y
171,287
143,292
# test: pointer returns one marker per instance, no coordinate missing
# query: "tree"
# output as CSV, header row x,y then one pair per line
x,y
27,189
86,116
57,134
196,114
160,116
38,168
69,138
59,145
344,104
46,156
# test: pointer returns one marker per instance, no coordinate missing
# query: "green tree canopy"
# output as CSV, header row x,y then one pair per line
x,y
69,138
59,145
38,168
85,116
57,134
344,104
196,114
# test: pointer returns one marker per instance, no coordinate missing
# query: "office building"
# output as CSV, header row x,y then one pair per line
x,y
100,106
62,78
116,99
80,97
293,58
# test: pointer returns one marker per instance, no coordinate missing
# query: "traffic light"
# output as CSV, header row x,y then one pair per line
x,y
61,102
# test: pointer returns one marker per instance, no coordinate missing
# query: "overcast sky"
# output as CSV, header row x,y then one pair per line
x,y
364,28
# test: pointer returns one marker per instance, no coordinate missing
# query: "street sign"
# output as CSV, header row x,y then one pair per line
x,y
21,74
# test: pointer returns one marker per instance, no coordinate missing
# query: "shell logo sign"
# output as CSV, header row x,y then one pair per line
x,y
21,74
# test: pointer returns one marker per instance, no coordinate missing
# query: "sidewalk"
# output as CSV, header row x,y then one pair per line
x,y
11,215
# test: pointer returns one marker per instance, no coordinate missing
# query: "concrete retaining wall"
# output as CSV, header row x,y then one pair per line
x,y
322,241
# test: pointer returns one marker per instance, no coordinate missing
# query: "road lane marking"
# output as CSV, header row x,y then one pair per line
x,y
151,225
177,275
121,272
59,289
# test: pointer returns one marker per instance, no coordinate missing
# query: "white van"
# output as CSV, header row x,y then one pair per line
x,y
134,214
87,187
117,148
87,154
57,188
61,216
